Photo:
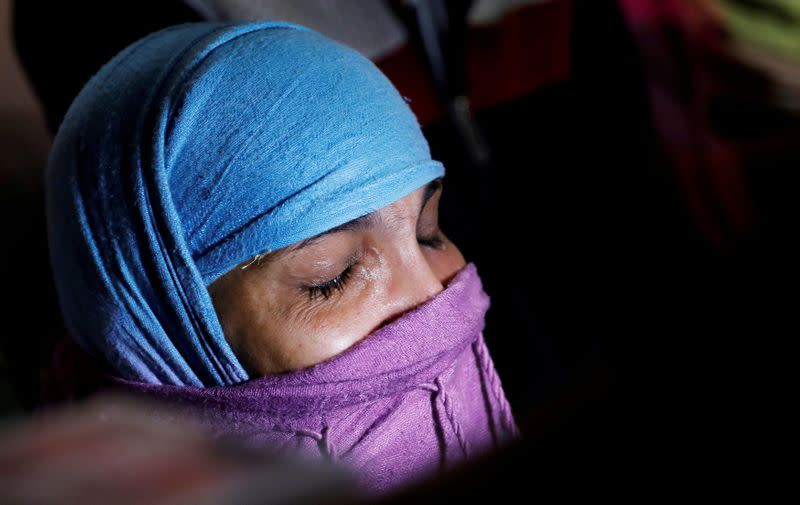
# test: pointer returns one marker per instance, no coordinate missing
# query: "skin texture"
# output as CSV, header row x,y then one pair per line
x,y
275,322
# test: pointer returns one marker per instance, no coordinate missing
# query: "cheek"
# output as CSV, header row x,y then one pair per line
x,y
254,327
445,262
283,330
360,307
313,331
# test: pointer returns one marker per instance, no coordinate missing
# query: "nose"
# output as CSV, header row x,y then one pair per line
x,y
414,282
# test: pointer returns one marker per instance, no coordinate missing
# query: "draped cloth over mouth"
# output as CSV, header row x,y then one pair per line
x,y
418,395
195,149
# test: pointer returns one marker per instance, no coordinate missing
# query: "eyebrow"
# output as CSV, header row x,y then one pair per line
x,y
367,220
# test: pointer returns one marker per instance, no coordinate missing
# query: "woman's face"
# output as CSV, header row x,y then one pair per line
x,y
303,304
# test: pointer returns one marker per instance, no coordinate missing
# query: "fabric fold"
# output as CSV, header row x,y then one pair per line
x,y
417,395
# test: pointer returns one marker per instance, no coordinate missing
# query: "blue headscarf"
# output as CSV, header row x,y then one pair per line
x,y
195,149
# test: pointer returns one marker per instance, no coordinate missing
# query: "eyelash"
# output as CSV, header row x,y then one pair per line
x,y
434,241
338,283
327,288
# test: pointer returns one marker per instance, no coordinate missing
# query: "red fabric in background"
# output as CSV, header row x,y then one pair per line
x,y
526,49
678,42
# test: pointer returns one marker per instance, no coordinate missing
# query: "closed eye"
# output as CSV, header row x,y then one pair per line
x,y
433,241
327,288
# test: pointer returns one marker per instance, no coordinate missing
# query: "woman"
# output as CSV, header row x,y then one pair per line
x,y
243,222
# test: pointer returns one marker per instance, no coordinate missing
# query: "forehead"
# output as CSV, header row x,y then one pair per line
x,y
417,199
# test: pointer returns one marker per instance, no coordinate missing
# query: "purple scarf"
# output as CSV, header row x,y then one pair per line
x,y
416,396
